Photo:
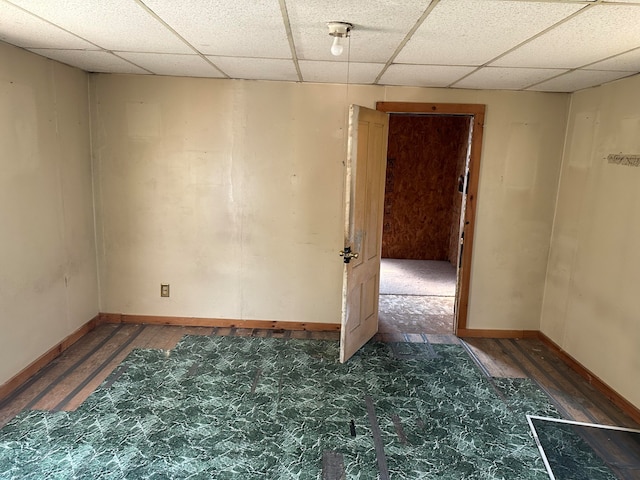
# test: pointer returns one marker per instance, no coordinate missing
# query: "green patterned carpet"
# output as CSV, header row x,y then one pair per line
x,y
256,408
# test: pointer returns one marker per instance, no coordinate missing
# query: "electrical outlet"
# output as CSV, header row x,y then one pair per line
x,y
164,289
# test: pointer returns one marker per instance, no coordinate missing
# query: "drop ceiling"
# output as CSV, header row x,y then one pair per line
x,y
542,45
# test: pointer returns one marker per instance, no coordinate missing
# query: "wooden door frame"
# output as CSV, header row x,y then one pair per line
x,y
476,111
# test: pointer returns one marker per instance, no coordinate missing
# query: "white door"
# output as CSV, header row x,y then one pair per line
x,y
365,180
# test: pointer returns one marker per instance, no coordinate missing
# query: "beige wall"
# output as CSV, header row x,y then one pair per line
x,y
47,247
591,298
231,191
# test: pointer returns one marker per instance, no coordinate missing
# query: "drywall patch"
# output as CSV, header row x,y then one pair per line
x,y
622,159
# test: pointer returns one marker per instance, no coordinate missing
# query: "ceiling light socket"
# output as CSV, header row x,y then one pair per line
x,y
339,31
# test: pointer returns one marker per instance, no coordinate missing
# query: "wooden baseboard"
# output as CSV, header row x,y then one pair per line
x,y
484,333
218,322
617,399
14,382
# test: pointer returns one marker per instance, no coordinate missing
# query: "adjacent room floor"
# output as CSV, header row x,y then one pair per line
x,y
416,296
142,401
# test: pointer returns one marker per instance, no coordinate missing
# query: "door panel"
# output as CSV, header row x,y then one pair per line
x,y
365,177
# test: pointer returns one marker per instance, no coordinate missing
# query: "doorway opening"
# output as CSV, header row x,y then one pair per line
x,y
429,207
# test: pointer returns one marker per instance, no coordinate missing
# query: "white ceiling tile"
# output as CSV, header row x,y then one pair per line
x,y
492,78
577,80
336,72
244,28
248,39
379,26
628,62
472,32
423,75
113,25
257,68
90,60
600,32
173,64
24,30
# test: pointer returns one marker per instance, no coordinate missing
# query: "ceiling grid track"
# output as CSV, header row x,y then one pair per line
x,y
528,40
292,45
406,39
182,39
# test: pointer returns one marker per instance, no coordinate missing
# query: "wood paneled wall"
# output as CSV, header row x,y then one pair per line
x,y
422,182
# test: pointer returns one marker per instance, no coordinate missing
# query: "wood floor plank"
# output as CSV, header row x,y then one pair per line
x,y
161,338
204,331
224,331
108,364
299,334
247,332
601,408
42,381
571,404
443,339
569,381
64,387
496,362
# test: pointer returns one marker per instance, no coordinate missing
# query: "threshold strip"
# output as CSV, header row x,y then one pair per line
x,y
69,370
95,373
377,439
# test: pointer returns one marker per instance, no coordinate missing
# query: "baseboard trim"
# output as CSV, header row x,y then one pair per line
x,y
617,399
21,377
485,333
218,322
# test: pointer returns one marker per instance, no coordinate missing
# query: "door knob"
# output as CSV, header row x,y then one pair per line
x,y
347,254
